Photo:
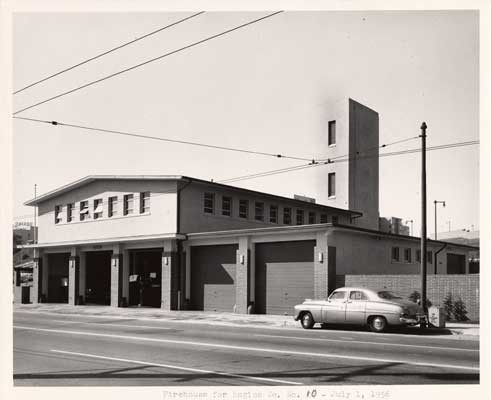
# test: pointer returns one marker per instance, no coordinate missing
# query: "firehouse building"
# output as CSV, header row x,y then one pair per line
x,y
177,242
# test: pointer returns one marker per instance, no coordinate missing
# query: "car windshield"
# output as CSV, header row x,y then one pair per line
x,y
388,295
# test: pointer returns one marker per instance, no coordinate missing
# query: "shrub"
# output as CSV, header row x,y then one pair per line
x,y
459,310
448,306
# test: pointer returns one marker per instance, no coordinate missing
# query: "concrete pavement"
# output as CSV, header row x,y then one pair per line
x,y
452,330
74,349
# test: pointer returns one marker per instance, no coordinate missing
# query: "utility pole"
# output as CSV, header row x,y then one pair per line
x,y
423,240
35,215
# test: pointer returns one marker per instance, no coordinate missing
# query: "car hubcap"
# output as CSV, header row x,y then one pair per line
x,y
378,323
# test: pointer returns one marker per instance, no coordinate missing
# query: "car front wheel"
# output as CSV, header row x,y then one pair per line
x,y
378,324
307,321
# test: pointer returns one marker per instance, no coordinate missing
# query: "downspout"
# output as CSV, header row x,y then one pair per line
x,y
435,257
179,246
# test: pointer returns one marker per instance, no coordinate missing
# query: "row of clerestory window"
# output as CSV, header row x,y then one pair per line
x,y
94,209
271,214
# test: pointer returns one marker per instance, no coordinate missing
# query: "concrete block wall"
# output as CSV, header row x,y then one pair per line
x,y
465,286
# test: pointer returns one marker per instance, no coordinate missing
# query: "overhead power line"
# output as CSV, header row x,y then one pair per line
x,y
107,52
345,159
109,131
147,62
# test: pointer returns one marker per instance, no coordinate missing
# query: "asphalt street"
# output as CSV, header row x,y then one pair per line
x,y
81,350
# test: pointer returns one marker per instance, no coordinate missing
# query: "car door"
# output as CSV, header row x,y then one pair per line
x,y
355,311
333,311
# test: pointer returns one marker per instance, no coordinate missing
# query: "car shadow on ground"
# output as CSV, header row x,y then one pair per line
x,y
406,330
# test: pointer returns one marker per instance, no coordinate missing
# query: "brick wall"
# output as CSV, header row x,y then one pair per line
x,y
465,286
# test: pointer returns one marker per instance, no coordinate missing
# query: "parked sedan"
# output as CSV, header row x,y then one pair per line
x,y
359,306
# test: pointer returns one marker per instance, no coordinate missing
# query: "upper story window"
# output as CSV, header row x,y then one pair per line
x,y
331,184
112,206
259,208
287,215
226,206
417,256
98,208
128,204
208,203
311,217
334,219
395,254
243,208
407,255
274,214
70,207
323,219
84,210
58,211
332,133
144,202
299,217
429,257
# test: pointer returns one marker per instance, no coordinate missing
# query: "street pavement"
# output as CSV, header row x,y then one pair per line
x,y
89,348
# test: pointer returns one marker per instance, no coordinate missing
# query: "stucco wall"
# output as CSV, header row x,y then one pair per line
x,y
194,219
364,164
160,219
359,252
337,111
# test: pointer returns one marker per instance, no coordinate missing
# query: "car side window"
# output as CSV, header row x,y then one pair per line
x,y
357,295
338,296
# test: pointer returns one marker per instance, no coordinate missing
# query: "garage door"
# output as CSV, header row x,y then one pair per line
x,y
213,272
456,264
58,277
284,275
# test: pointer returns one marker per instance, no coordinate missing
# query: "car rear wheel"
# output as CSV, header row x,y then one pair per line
x,y
307,320
378,324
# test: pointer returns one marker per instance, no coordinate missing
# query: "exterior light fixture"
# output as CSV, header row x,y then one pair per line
x,y
241,258
320,256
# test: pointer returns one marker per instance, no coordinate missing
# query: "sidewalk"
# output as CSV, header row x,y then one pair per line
x,y
452,330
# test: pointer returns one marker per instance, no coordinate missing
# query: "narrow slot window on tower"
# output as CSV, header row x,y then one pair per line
x,y
331,184
332,133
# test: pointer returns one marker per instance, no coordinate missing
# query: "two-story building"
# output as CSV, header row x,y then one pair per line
x,y
183,243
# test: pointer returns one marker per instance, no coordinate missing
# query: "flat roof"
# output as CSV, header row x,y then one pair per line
x,y
92,178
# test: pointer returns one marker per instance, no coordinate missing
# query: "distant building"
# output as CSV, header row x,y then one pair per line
x,y
465,237
25,235
393,225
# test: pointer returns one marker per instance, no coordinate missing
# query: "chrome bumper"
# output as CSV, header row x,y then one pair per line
x,y
413,321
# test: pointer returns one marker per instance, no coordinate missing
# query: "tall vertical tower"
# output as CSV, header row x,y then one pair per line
x,y
352,143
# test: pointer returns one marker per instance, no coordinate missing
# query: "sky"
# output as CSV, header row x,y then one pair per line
x,y
263,87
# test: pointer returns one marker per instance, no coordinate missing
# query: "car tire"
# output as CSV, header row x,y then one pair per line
x,y
307,320
378,324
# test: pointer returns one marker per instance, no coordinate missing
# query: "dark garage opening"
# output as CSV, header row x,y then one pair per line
x,y
213,274
284,275
456,264
98,277
145,278
58,277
